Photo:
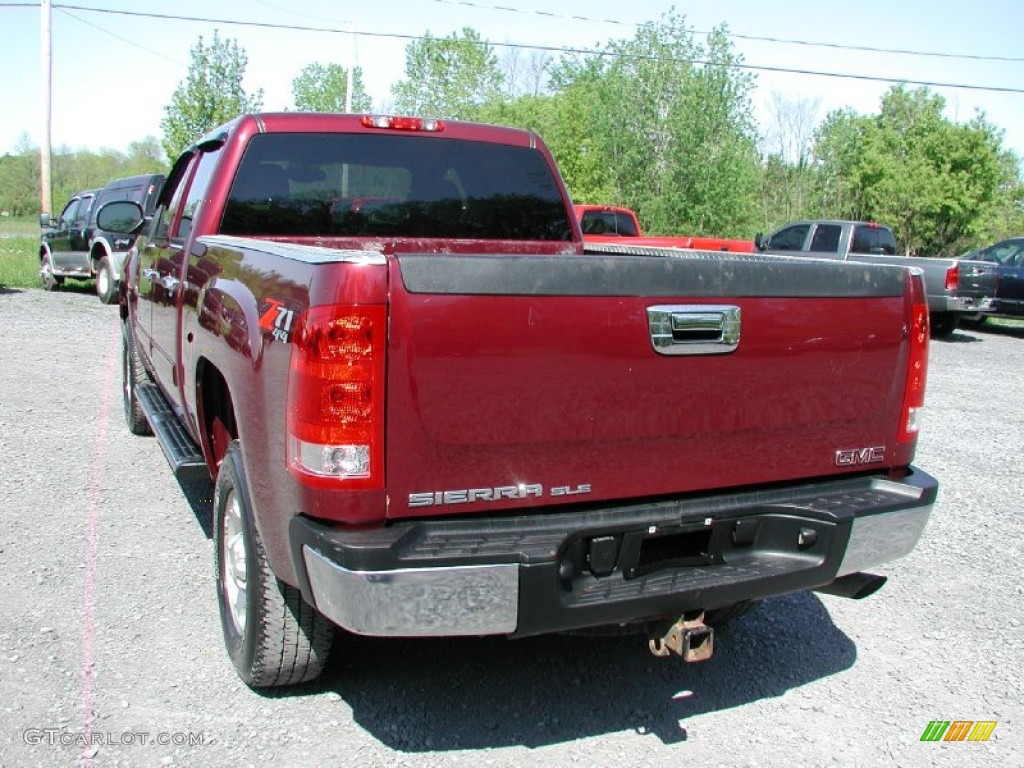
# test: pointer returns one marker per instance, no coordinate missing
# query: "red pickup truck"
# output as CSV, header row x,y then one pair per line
x,y
428,412
611,224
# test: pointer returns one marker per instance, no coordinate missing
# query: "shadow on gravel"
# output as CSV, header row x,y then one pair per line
x,y
958,337
199,494
455,694
4,290
989,329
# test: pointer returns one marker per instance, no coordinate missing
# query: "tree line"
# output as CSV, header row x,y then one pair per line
x,y
662,122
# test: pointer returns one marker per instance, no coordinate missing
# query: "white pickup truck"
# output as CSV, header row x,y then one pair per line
x,y
955,288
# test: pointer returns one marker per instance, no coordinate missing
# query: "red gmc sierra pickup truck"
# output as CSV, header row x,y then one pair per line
x,y
428,411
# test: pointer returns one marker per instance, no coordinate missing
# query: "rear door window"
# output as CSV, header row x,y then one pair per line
x,y
608,223
394,186
826,238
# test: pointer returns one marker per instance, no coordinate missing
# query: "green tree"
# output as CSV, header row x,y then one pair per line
x,y
211,94
19,179
936,182
451,77
787,173
321,88
145,156
667,128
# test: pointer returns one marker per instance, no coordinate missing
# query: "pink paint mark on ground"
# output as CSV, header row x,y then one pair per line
x,y
99,455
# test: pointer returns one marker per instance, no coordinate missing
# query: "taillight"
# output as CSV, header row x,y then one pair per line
x,y
917,367
336,397
402,123
953,277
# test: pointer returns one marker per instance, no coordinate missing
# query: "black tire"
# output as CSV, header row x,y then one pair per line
x,y
944,324
132,374
106,286
48,280
272,635
720,616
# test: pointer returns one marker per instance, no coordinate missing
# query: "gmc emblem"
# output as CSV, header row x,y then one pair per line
x,y
849,457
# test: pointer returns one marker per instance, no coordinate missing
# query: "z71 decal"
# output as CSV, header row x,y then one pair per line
x,y
277,318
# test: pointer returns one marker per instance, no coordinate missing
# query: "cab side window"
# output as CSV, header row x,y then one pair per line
x,y
198,191
67,216
82,214
872,239
790,238
170,199
826,238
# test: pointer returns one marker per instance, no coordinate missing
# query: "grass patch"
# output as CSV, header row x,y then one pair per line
x,y
1006,322
19,262
11,227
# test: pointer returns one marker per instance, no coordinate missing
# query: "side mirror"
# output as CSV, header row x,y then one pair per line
x,y
759,242
124,217
44,220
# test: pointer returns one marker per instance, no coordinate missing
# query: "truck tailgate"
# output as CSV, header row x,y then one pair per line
x,y
977,279
532,381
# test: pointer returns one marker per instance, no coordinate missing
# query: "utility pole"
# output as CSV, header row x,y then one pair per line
x,y
45,195
351,65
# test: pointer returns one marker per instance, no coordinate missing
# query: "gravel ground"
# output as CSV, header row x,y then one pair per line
x,y
109,626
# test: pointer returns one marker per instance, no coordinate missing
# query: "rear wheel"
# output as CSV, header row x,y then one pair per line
x,y
132,374
47,279
106,286
943,324
272,635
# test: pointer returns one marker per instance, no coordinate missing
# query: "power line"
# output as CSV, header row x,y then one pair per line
x,y
118,37
554,49
756,38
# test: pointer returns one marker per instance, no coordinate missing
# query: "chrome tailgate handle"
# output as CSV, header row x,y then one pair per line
x,y
694,329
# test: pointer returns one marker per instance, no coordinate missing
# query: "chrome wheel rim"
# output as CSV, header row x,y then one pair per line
x,y
234,574
102,281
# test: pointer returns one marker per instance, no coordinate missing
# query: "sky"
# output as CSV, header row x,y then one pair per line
x,y
113,73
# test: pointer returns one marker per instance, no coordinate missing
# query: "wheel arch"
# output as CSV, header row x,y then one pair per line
x,y
215,413
99,250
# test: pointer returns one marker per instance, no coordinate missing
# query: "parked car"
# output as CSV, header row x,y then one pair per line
x,y
612,225
107,250
956,289
1008,255
64,245
73,246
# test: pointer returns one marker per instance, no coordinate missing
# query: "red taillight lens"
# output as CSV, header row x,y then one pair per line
x,y
917,368
336,397
953,277
402,123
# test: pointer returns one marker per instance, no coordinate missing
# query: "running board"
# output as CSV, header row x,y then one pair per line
x,y
181,452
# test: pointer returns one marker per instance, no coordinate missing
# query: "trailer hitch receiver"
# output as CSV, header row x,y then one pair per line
x,y
687,637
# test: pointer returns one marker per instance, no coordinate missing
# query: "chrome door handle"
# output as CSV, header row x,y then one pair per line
x,y
694,329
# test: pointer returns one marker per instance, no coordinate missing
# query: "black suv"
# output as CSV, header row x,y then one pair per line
x,y
64,246
108,251
72,246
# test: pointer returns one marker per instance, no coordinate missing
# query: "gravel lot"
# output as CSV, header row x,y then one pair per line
x,y
108,618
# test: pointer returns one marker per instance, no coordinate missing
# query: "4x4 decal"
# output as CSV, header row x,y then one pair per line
x,y
278,318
